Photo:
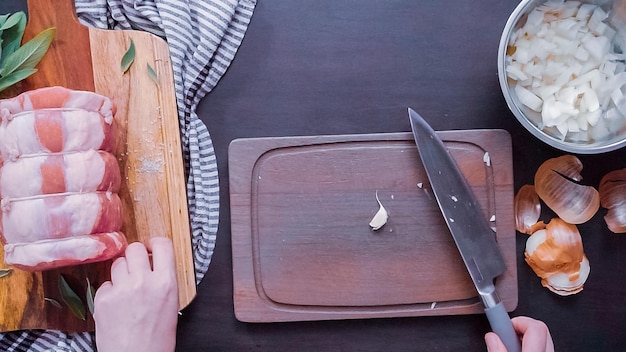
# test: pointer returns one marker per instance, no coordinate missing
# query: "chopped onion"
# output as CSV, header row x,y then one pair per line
x,y
568,66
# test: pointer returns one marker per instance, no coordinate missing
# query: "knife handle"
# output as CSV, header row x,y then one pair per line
x,y
501,324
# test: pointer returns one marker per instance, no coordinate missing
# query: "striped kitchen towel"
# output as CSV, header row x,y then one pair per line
x,y
203,37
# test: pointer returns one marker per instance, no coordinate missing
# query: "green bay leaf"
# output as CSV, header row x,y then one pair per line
x,y
15,77
128,58
54,302
152,74
71,299
12,35
15,19
29,54
3,18
91,293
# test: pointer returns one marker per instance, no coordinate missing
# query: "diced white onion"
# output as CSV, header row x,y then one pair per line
x,y
528,98
570,67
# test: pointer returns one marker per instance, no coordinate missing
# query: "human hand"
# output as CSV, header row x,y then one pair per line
x,y
138,309
535,336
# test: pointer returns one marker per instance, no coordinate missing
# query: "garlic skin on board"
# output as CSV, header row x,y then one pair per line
x,y
556,255
381,216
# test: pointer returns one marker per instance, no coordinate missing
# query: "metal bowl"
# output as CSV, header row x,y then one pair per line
x,y
531,120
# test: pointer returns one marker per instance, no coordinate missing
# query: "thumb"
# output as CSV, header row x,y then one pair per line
x,y
494,344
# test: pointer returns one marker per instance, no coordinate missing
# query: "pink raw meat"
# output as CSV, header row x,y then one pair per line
x,y
84,172
54,131
49,254
58,97
58,179
60,215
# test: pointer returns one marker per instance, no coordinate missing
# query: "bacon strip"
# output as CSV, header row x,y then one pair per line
x,y
84,172
58,97
54,131
49,254
60,215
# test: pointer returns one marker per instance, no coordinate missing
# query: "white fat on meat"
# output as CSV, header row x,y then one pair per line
x,y
47,254
58,97
80,172
78,130
58,216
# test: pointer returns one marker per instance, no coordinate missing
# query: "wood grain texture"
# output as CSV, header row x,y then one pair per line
x,y
302,247
148,150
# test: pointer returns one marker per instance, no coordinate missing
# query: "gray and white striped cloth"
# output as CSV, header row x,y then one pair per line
x,y
203,37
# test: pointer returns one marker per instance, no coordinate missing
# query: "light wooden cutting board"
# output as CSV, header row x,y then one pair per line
x,y
149,151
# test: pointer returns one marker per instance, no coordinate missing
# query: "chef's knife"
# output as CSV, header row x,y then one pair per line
x,y
470,229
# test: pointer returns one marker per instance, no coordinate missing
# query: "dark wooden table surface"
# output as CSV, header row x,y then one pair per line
x,y
346,66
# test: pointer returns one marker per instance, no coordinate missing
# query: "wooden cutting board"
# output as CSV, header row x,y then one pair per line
x,y
303,249
149,151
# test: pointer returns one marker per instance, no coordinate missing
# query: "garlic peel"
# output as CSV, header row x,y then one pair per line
x,y
612,191
556,183
381,216
557,256
527,209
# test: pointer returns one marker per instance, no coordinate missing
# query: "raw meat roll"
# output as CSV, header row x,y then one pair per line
x,y
60,215
58,179
83,172
54,131
58,97
49,254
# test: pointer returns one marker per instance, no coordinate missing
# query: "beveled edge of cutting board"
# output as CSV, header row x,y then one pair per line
x,y
250,305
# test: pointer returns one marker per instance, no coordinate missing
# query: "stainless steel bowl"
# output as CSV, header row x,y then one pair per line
x,y
531,119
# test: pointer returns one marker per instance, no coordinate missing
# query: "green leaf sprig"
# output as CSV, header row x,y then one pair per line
x,y
5,272
90,294
128,58
18,62
153,75
54,302
71,299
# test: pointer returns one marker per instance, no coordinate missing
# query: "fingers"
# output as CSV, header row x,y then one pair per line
x,y
493,342
119,270
536,336
162,254
137,258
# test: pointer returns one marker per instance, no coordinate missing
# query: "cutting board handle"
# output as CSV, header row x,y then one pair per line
x,y
72,71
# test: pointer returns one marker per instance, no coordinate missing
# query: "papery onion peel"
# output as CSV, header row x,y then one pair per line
x,y
612,191
557,184
556,255
527,210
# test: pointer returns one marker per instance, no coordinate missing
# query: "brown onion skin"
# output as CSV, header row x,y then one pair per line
x,y
613,197
527,209
556,184
562,250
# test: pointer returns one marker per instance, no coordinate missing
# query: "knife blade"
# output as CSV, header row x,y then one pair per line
x,y
470,229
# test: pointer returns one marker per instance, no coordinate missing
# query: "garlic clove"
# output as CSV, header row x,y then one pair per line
x,y
381,216
613,197
527,209
556,183
556,255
